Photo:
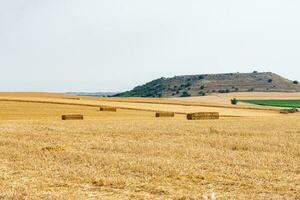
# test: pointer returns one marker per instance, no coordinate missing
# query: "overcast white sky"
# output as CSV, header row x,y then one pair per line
x,y
114,45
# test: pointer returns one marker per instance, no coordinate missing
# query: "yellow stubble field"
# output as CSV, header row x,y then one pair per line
x,y
130,154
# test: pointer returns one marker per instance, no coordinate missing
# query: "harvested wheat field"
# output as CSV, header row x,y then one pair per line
x,y
131,154
172,105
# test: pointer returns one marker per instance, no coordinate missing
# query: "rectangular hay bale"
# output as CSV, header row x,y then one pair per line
x,y
203,116
164,114
72,117
107,108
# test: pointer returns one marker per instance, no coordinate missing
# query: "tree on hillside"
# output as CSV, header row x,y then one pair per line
x,y
185,94
201,77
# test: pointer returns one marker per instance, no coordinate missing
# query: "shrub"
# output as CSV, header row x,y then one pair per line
x,y
224,91
270,81
201,93
201,77
185,94
187,85
202,87
255,72
234,101
295,82
236,89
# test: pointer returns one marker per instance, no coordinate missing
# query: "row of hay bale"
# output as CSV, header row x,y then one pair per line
x,y
190,116
80,117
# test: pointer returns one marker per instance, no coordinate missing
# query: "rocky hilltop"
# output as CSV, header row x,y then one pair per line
x,y
203,84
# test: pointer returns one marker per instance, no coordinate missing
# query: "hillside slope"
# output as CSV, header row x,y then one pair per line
x,y
199,85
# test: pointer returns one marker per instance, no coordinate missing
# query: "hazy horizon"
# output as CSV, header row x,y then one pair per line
x,y
113,46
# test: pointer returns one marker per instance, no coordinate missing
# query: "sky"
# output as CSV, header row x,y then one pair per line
x,y
114,45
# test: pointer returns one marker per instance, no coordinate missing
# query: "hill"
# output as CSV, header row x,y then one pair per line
x,y
200,85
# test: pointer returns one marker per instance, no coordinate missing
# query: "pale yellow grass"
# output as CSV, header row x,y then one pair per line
x,y
133,155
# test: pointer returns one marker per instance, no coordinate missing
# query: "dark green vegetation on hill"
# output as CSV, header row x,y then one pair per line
x,y
200,85
275,102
